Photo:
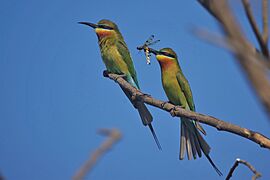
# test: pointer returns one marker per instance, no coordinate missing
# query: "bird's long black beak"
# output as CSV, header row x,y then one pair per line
x,y
89,24
155,52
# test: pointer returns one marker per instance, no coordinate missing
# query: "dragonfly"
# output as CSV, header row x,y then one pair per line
x,y
145,47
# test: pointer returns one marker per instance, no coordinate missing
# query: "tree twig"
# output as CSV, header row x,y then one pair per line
x,y
265,21
220,125
251,62
2,177
218,40
239,161
255,27
114,136
211,37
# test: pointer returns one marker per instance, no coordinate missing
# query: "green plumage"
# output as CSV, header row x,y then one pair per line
x,y
179,93
184,85
117,59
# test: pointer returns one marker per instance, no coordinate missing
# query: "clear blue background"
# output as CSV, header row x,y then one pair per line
x,y
53,97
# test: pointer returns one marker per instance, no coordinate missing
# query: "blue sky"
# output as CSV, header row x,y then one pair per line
x,y
54,97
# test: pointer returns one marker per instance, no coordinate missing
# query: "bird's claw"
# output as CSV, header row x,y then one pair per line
x,y
164,103
122,75
119,76
138,97
134,97
106,74
147,95
172,111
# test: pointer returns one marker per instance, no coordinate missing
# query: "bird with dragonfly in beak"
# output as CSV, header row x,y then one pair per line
x,y
178,91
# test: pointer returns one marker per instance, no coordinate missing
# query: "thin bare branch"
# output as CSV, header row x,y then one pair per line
x,y
239,161
220,125
255,27
265,21
114,136
2,177
211,37
252,63
220,41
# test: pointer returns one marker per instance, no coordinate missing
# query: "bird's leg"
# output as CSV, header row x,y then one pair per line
x,y
134,97
122,75
106,74
172,110
145,94
139,97
164,103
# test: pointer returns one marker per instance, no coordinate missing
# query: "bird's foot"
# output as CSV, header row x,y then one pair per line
x,y
106,74
172,111
164,103
147,95
134,98
140,96
120,76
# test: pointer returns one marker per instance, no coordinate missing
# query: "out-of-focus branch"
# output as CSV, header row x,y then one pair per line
x,y
2,177
114,136
220,125
218,40
255,27
251,62
239,161
265,21
210,37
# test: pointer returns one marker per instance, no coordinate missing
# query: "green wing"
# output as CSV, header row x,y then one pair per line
x,y
124,52
186,90
183,82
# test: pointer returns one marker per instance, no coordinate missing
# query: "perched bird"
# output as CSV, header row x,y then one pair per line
x,y
179,93
117,59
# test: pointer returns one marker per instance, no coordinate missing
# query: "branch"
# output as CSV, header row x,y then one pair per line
x,y
217,40
251,62
220,125
114,136
2,177
255,28
237,162
211,37
265,21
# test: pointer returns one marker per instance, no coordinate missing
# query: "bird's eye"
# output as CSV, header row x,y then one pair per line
x,y
168,54
105,27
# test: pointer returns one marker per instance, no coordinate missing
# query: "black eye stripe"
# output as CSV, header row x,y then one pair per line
x,y
168,54
105,27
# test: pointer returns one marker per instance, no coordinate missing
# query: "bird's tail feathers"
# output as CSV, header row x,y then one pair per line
x,y
147,118
155,136
188,141
192,141
145,115
213,165
200,128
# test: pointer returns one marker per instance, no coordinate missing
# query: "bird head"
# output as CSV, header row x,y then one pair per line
x,y
164,55
104,28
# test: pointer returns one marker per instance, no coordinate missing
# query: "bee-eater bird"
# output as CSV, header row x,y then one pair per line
x,y
179,93
117,59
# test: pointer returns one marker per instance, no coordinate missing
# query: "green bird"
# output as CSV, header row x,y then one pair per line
x,y
178,91
117,59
